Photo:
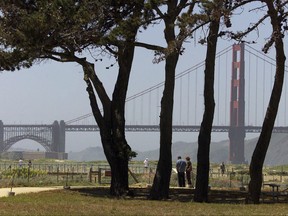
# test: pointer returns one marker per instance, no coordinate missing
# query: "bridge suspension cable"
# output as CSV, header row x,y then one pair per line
x,y
155,87
260,73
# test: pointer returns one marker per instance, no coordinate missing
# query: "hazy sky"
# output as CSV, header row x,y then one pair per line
x,y
54,91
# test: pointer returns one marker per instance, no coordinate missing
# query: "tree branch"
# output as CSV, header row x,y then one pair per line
x,y
149,46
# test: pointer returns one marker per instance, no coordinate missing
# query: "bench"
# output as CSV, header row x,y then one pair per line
x,y
274,190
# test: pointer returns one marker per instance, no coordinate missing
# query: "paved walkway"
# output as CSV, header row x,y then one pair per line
x,y
19,190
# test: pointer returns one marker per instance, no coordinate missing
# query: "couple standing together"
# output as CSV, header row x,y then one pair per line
x,y
183,166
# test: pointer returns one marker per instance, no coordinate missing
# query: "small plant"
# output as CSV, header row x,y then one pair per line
x,y
11,193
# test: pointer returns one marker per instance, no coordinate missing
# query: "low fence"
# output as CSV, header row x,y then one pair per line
x,y
70,167
93,173
100,173
240,177
47,167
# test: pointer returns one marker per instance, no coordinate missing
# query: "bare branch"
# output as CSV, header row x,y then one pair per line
x,y
158,11
240,35
150,46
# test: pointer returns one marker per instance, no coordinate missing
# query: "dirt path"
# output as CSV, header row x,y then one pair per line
x,y
19,190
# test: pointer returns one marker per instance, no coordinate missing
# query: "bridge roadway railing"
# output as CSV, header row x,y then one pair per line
x,y
175,128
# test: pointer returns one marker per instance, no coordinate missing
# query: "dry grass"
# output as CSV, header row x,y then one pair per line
x,y
68,202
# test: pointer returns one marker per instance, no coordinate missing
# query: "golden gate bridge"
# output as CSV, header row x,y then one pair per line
x,y
243,83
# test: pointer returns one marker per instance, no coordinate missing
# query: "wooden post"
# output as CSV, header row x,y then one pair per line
x,y
57,173
134,177
99,175
90,175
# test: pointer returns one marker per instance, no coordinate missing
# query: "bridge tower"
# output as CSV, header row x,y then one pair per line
x,y
58,136
62,136
51,137
237,106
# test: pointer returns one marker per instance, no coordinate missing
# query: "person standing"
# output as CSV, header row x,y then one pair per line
x,y
20,162
222,168
188,171
146,164
180,167
29,163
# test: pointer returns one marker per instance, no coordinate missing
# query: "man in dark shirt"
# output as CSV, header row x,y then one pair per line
x,y
180,167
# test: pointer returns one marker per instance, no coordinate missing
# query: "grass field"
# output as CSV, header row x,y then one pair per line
x,y
72,202
69,202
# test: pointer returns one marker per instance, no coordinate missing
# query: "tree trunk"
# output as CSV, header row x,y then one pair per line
x,y
160,187
161,182
262,145
204,138
112,123
119,177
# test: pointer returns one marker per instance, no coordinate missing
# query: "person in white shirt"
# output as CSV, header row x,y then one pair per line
x,y
146,163
20,162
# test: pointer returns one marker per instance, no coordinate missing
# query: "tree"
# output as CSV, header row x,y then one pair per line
x,y
188,22
161,182
64,31
278,19
278,15
204,138
214,10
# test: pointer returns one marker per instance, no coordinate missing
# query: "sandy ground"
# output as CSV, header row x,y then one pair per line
x,y
19,190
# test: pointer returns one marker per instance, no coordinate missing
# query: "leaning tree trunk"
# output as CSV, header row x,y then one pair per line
x,y
161,182
262,145
204,138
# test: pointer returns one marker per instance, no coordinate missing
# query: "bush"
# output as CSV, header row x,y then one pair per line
x,y
23,172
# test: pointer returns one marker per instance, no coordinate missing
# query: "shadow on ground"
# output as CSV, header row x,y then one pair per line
x,y
187,195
